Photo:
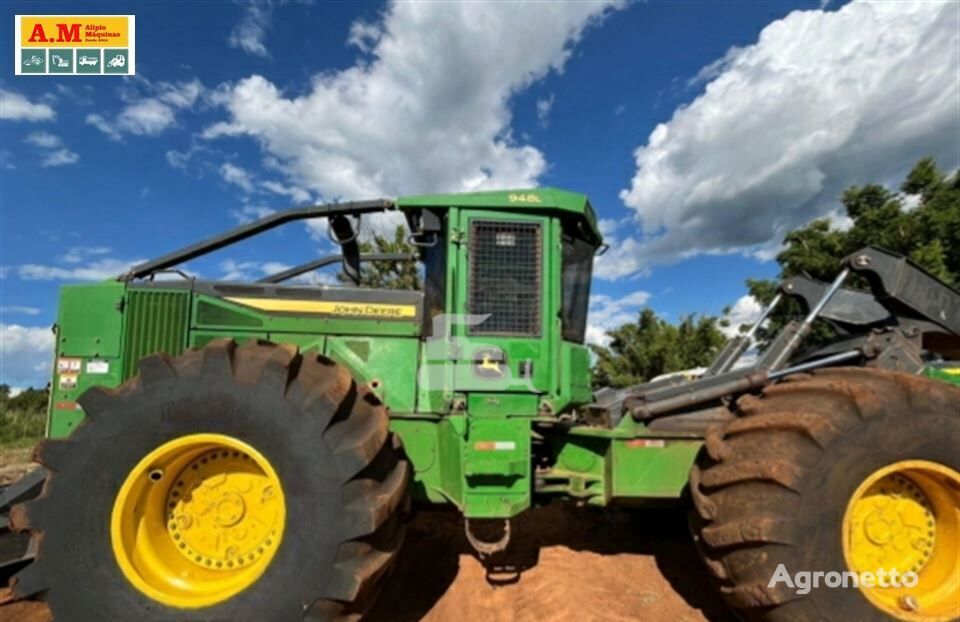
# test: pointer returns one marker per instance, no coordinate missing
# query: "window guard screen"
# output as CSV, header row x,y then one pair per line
x,y
505,264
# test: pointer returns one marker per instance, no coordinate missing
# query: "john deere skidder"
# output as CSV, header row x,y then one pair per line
x,y
249,451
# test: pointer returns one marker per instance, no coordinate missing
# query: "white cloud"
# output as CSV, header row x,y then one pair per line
x,y
607,313
26,354
745,311
607,226
428,110
249,33
247,181
181,159
297,194
150,114
233,270
96,270
60,157
249,213
16,309
52,149
544,106
78,254
16,107
622,258
249,270
44,140
237,176
822,101
364,35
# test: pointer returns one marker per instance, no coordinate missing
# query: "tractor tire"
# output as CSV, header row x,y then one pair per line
x,y
342,502
794,479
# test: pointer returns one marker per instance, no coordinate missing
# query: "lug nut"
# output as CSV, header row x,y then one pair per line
x,y
908,603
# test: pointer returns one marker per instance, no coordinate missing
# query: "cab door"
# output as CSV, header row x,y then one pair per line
x,y
502,342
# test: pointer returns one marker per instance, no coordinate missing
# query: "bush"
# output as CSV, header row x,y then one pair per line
x,y
23,418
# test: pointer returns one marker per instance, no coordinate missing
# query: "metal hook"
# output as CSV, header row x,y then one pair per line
x,y
485,549
412,241
335,240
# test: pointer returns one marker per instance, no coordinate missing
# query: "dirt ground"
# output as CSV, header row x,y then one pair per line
x,y
565,563
14,464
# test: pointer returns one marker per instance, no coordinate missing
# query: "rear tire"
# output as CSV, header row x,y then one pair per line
x,y
342,474
774,486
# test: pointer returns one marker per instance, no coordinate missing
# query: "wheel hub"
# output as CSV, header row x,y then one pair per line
x,y
198,520
223,511
892,526
905,517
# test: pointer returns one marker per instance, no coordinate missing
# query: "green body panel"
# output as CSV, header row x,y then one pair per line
x,y
217,314
501,405
89,343
574,385
90,320
948,372
386,364
545,201
605,467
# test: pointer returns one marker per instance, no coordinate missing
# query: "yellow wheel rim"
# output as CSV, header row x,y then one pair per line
x,y
198,520
906,517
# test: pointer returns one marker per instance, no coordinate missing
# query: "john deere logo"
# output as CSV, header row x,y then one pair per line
x,y
490,363
74,45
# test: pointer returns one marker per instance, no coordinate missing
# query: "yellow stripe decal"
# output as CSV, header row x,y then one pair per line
x,y
352,309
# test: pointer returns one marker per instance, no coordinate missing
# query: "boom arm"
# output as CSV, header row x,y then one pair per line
x,y
906,303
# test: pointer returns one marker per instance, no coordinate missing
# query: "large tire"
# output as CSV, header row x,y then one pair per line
x,y
772,486
327,438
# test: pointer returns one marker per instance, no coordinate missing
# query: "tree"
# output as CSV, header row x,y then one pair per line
x,y
921,222
388,274
652,346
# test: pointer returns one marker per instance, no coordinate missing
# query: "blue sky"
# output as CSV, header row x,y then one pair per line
x,y
701,131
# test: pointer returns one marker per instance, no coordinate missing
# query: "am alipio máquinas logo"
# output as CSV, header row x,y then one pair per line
x,y
75,45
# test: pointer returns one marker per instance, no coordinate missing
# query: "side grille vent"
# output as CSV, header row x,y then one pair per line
x,y
157,321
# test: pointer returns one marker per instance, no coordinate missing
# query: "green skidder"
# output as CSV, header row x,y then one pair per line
x,y
251,451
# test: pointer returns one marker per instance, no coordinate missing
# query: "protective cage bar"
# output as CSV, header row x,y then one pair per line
x,y
505,277
322,262
254,228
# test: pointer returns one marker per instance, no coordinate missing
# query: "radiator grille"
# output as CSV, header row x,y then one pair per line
x,y
505,277
157,321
